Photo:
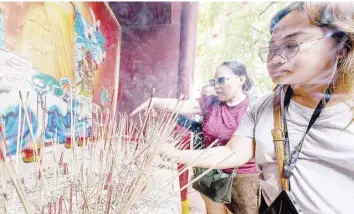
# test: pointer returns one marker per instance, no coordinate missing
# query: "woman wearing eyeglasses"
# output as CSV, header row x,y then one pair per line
x,y
311,59
221,116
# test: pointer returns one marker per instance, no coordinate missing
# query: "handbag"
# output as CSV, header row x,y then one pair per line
x,y
216,184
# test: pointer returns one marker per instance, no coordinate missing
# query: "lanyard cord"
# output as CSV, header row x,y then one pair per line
x,y
290,159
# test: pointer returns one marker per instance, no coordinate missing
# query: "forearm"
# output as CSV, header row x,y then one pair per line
x,y
165,103
220,157
184,107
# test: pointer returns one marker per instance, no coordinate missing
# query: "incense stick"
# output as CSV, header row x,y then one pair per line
x,y
113,173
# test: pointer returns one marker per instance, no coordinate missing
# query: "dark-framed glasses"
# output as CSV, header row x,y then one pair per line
x,y
220,80
286,50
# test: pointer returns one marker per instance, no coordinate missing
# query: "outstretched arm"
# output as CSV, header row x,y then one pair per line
x,y
184,107
238,151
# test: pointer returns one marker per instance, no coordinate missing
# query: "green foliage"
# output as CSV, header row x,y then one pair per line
x,y
234,31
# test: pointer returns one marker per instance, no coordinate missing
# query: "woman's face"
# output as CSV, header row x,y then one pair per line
x,y
232,86
315,57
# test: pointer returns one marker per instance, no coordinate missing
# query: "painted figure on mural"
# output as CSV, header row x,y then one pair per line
x,y
17,73
89,50
58,96
44,84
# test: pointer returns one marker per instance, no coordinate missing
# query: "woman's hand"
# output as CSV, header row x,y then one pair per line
x,y
169,152
238,151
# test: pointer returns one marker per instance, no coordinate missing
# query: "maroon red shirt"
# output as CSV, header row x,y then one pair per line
x,y
220,121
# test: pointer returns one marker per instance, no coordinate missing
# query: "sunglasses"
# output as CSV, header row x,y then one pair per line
x,y
219,81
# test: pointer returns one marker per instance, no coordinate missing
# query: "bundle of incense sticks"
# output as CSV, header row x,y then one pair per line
x,y
125,166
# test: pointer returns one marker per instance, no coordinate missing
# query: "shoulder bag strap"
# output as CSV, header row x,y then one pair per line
x,y
278,138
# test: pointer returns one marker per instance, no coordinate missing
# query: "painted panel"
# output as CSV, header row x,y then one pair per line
x,y
63,59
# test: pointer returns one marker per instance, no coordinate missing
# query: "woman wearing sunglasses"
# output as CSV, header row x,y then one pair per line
x,y
311,59
221,116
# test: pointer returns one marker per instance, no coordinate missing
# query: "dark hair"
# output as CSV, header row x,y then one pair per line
x,y
323,18
338,17
239,69
282,13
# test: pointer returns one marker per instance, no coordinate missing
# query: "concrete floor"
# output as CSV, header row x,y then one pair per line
x,y
197,205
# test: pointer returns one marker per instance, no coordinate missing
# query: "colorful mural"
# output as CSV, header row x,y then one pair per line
x,y
62,57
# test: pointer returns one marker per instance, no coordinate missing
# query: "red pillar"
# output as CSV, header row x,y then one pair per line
x,y
188,33
183,178
187,46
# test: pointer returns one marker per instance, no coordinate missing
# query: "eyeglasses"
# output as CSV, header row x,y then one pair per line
x,y
286,50
219,81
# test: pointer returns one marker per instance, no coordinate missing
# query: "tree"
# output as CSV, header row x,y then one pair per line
x,y
233,31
